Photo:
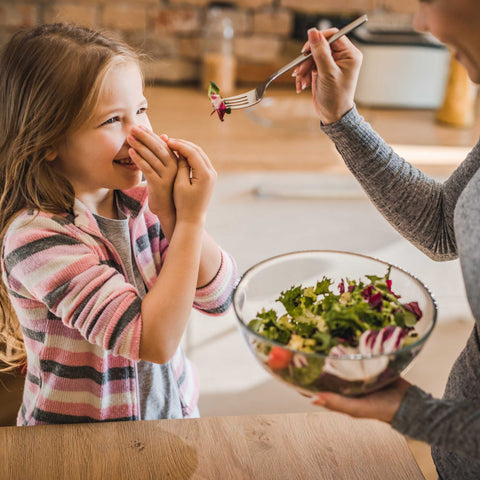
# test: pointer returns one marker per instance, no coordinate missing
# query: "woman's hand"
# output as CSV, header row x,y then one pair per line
x,y
332,72
381,405
159,165
194,182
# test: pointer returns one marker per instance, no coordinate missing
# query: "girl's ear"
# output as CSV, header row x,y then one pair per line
x,y
51,154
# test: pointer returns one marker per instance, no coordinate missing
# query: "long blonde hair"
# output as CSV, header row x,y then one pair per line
x,y
50,79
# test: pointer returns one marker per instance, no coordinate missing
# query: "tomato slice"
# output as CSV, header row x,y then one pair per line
x,y
279,358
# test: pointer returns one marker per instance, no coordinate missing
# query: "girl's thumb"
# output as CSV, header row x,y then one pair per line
x,y
320,49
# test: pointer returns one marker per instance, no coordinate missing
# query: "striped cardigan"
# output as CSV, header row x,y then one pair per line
x,y
81,319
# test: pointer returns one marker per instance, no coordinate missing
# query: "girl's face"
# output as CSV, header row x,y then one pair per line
x,y
457,24
95,157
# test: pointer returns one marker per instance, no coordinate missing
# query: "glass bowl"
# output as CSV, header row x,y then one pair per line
x,y
349,374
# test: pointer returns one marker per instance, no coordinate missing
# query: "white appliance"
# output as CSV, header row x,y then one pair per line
x,y
403,69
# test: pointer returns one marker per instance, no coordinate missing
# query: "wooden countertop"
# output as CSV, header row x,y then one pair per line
x,y
295,142
305,446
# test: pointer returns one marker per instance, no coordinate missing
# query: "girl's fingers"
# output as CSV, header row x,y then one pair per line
x,y
142,164
151,146
156,160
183,166
193,146
193,153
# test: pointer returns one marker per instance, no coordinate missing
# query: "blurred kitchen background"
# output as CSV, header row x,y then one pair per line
x,y
266,32
282,186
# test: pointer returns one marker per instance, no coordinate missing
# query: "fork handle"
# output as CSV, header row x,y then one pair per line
x,y
305,56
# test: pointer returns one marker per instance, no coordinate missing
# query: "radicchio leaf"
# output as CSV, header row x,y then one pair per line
x,y
414,308
217,101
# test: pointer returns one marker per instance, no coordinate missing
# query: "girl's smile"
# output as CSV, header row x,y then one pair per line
x,y
126,163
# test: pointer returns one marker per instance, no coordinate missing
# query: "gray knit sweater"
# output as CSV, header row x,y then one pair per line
x,y
443,221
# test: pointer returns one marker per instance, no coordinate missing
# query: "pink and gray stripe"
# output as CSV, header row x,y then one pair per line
x,y
81,319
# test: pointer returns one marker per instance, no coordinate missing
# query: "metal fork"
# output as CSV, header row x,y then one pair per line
x,y
252,97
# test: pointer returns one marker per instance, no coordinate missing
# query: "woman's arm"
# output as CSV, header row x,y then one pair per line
x,y
419,207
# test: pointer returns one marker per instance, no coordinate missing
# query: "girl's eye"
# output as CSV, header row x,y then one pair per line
x,y
111,120
141,110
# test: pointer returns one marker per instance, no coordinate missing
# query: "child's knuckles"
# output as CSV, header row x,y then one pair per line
x,y
212,175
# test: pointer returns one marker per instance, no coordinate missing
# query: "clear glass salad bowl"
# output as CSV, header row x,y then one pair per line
x,y
347,373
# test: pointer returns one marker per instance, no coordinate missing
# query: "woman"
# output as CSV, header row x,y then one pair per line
x,y
441,219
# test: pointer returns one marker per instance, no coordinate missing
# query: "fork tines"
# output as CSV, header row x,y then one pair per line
x,y
241,101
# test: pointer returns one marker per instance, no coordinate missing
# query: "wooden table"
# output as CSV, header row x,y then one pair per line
x,y
301,446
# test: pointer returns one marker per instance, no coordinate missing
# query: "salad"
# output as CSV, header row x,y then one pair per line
x,y
365,318
217,101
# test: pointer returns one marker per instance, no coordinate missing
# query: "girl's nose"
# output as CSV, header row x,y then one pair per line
x,y
129,128
139,123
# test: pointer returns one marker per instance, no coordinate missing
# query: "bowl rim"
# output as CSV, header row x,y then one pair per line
x,y
356,356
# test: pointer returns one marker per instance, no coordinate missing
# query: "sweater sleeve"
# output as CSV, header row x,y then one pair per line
x,y
419,207
451,425
215,298
46,264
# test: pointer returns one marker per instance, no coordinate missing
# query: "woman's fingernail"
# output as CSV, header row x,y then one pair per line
x,y
304,85
294,74
313,36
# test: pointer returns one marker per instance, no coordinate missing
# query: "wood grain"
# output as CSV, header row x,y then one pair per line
x,y
321,446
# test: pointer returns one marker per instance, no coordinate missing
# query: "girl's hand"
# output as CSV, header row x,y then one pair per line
x,y
381,405
159,165
194,182
332,72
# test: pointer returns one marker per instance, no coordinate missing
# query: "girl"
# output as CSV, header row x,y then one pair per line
x,y
442,219
99,271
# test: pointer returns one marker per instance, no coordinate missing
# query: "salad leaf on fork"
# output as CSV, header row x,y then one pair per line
x,y
217,101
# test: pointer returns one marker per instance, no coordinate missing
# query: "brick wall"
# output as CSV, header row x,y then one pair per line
x,y
169,31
